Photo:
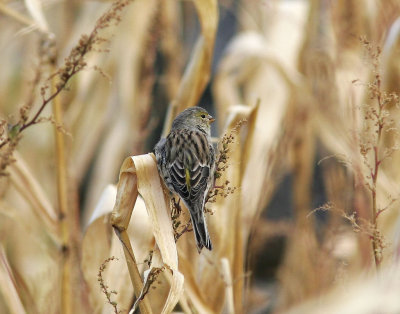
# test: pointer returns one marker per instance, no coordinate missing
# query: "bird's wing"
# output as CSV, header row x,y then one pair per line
x,y
189,156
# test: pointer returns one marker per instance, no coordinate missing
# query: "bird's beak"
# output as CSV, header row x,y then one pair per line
x,y
211,119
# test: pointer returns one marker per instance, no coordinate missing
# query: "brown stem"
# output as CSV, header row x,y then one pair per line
x,y
76,67
46,101
62,192
374,177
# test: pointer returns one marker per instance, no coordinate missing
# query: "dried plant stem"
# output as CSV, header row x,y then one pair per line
x,y
46,100
74,63
378,118
104,287
4,9
62,192
149,283
374,174
374,223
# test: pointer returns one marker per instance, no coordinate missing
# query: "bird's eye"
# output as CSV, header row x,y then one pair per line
x,y
203,116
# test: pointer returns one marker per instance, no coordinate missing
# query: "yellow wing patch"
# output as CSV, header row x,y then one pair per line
x,y
187,178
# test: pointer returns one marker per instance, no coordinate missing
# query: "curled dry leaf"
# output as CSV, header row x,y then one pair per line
x,y
100,243
139,174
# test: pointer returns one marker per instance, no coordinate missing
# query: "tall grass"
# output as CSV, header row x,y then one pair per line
x,y
302,104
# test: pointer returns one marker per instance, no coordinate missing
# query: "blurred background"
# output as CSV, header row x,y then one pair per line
x,y
308,78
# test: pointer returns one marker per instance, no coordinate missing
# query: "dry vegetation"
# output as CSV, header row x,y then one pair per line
x,y
306,96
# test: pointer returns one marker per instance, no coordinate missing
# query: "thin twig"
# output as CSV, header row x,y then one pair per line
x,y
104,287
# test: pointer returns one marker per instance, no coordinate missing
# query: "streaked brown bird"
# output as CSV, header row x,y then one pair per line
x,y
186,163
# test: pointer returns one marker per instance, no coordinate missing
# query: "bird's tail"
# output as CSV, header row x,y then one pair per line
x,y
200,228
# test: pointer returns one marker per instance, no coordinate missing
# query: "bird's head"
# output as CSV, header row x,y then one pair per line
x,y
194,117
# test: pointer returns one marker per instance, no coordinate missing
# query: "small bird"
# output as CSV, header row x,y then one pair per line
x,y
186,163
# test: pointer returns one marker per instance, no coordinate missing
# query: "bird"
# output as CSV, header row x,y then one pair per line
x,y
186,163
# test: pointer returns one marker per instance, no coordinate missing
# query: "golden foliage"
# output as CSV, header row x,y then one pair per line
x,y
297,99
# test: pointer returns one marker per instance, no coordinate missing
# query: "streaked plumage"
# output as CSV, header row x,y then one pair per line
x,y
186,162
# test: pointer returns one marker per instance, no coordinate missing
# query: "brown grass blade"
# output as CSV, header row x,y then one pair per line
x,y
230,307
6,10
149,186
193,291
26,183
197,72
8,286
127,194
